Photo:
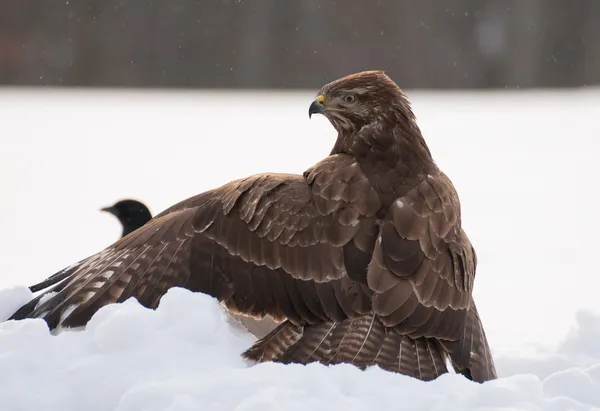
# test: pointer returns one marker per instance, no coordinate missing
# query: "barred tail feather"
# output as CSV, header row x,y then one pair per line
x,y
361,341
274,345
471,355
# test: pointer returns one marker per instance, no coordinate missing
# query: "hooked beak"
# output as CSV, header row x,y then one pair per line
x,y
317,106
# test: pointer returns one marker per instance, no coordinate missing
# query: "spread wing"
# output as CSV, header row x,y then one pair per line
x,y
306,249
283,245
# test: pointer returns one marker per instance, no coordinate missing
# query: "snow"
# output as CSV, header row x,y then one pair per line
x,y
523,164
186,356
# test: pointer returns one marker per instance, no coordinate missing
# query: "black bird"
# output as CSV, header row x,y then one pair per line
x,y
131,213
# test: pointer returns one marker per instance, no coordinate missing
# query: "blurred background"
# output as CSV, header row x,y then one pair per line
x,y
273,44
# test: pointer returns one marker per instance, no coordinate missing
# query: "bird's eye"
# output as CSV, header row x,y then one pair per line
x,y
349,98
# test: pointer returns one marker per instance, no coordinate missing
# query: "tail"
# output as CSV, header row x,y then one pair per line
x,y
362,342
471,355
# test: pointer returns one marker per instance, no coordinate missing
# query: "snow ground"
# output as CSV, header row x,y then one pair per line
x,y
524,166
185,356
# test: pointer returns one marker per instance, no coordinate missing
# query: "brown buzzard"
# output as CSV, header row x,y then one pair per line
x,y
362,258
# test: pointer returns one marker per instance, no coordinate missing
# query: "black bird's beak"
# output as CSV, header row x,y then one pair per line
x,y
317,106
111,210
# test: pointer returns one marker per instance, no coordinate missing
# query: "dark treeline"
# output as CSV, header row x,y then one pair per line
x,y
299,43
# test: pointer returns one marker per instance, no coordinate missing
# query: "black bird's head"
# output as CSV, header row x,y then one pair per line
x,y
131,213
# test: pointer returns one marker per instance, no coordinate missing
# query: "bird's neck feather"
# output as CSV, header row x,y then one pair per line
x,y
393,136
391,152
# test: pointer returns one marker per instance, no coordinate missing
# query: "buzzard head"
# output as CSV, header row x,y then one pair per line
x,y
355,101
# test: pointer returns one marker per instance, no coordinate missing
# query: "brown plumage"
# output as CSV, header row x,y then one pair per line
x,y
362,258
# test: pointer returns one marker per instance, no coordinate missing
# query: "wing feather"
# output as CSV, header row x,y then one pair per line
x,y
269,244
311,251
423,260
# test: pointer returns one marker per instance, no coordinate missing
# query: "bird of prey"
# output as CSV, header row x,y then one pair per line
x,y
132,214
362,258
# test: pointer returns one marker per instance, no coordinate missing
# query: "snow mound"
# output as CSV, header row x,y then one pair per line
x,y
13,298
185,355
581,349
